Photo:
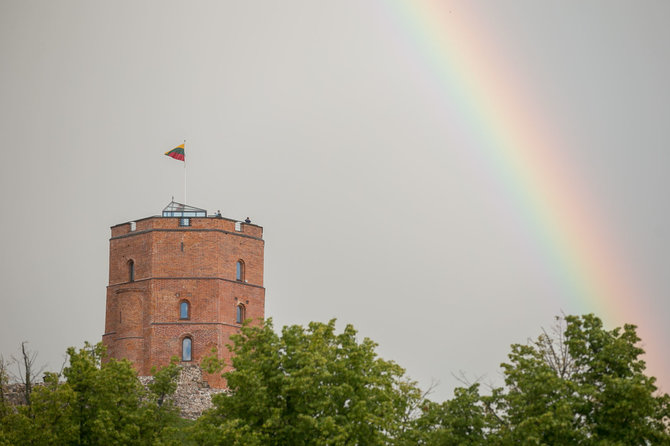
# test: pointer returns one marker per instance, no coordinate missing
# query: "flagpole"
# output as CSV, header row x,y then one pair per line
x,y
184,171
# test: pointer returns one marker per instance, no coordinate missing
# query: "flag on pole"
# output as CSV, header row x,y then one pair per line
x,y
177,153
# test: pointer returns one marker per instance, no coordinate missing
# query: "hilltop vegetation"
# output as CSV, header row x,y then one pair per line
x,y
92,403
577,385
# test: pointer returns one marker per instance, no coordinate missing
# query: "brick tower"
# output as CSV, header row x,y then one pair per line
x,y
180,284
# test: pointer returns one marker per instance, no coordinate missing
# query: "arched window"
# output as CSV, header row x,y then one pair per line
x,y
241,314
131,271
186,345
184,310
240,271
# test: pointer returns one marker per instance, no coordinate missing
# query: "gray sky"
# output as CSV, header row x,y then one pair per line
x,y
337,127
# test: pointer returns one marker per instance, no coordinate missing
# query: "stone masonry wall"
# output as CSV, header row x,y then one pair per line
x,y
193,395
15,394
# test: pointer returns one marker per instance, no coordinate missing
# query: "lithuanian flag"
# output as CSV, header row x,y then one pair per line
x,y
177,153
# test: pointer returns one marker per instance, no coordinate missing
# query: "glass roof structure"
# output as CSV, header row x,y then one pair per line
x,y
175,209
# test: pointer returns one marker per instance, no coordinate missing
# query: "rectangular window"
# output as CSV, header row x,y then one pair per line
x,y
184,221
186,349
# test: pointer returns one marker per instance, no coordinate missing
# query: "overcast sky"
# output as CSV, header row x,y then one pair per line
x,y
338,128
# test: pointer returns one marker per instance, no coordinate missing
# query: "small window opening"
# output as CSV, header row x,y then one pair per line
x,y
240,271
238,226
182,246
241,313
184,221
133,226
184,310
131,271
186,349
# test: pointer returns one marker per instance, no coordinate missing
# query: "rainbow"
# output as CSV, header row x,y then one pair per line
x,y
516,147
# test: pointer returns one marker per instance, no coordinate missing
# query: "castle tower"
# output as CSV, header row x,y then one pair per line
x,y
180,284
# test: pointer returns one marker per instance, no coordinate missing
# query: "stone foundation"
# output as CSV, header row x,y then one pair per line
x,y
193,395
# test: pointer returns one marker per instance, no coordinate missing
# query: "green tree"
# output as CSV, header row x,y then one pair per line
x,y
162,414
582,385
212,363
99,403
461,421
112,406
578,385
4,382
107,408
50,415
308,387
164,381
46,421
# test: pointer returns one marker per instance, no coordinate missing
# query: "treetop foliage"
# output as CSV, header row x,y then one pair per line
x,y
581,385
307,386
576,384
98,403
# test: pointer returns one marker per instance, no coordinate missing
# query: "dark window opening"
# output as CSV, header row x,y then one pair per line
x,y
184,221
240,271
131,271
184,310
241,314
186,349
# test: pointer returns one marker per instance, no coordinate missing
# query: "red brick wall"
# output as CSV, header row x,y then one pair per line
x,y
172,264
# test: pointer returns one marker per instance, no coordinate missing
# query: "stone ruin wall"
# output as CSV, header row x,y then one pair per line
x,y
15,394
193,395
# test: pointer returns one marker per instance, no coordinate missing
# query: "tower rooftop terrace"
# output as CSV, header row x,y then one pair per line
x,y
178,216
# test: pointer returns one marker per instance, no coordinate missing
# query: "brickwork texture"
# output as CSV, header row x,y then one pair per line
x,y
156,266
